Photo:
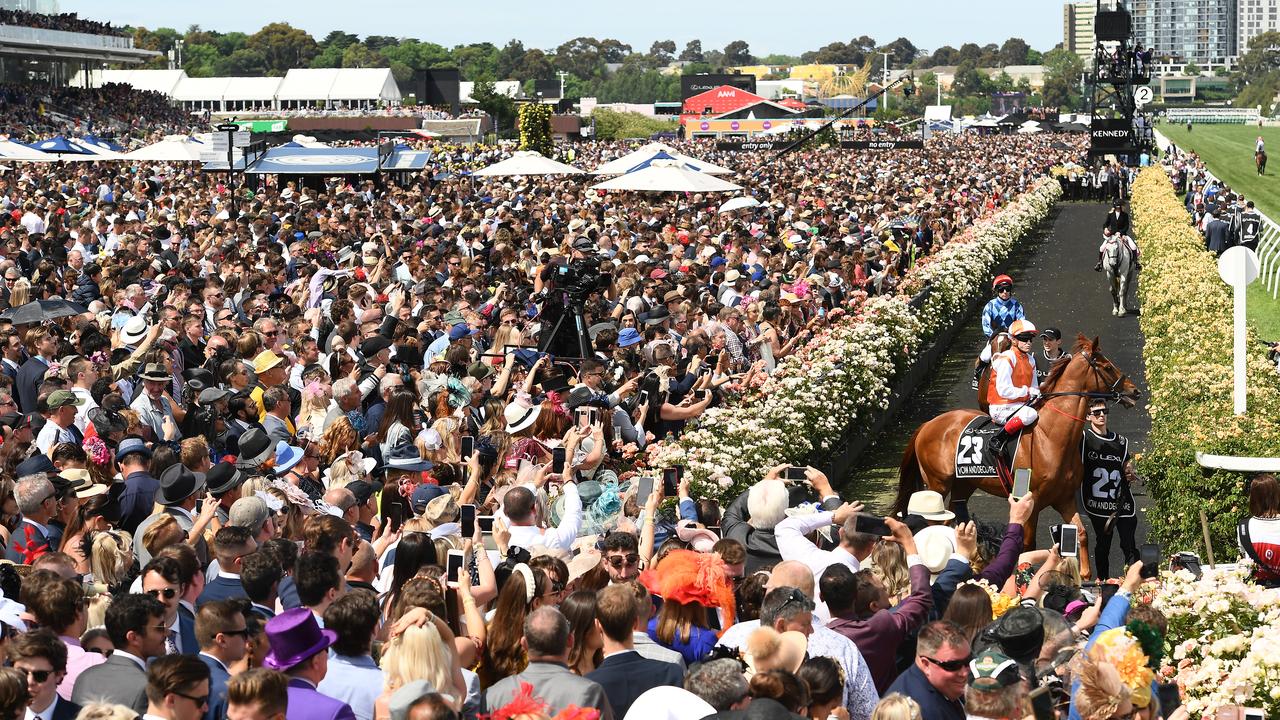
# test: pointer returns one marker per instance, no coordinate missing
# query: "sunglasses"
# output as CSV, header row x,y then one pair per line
x,y
38,676
1004,289
237,633
620,561
1025,337
1100,411
950,665
168,593
200,701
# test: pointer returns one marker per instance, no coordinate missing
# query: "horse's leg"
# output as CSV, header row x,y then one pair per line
x,y
1123,277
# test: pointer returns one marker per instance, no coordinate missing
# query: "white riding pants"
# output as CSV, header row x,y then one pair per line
x,y
1002,413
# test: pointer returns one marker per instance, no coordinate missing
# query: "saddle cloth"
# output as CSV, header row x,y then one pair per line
x,y
974,457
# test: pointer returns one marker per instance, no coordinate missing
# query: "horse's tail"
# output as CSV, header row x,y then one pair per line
x,y
909,477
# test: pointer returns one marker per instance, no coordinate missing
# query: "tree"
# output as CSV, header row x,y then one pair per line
x,y
1262,57
580,56
510,57
738,53
536,64
1014,51
945,55
360,55
1062,71
692,51
614,51
477,61
1191,69
498,106
283,47
377,42
662,52
969,82
339,39
902,52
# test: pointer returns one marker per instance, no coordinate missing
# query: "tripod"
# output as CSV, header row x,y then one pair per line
x,y
567,339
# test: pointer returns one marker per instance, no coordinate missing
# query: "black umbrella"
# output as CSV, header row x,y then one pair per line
x,y
1059,146
40,310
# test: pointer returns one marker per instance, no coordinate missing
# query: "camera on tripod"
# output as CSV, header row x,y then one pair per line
x,y
581,276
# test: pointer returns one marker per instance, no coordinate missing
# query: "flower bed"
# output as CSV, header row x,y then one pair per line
x,y
1223,645
1186,322
841,379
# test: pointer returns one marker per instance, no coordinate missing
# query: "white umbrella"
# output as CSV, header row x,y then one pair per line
x,y
738,203
527,162
10,150
173,148
667,176
102,152
628,162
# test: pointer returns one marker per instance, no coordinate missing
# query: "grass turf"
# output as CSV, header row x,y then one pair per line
x,y
1228,152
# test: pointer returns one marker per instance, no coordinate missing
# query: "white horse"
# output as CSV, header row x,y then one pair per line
x,y
1119,264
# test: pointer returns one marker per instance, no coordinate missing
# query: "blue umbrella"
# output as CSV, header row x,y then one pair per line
x,y
102,143
59,144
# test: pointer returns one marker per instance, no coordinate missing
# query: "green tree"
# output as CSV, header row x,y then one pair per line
x,y
498,106
339,39
283,47
662,52
1262,57
1014,51
536,64
245,62
477,61
902,52
1191,69
692,51
1062,71
510,57
580,56
360,55
738,53
969,82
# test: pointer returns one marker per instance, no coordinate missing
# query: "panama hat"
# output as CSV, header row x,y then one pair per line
x,y
929,505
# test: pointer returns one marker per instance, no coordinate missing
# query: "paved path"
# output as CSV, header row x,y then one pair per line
x,y
1054,279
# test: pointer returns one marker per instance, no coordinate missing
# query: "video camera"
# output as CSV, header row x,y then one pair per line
x,y
581,276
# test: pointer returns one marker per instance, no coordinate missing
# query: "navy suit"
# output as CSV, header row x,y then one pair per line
x,y
137,500
187,633
222,588
38,544
218,677
625,676
30,375
288,593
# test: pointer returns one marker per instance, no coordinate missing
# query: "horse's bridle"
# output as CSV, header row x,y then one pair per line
x,y
1111,393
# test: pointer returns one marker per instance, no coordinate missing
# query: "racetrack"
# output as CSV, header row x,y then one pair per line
x,y
1055,281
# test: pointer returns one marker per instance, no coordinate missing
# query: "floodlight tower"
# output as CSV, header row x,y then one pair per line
x,y
1119,85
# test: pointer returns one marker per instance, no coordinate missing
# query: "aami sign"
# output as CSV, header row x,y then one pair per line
x,y
691,85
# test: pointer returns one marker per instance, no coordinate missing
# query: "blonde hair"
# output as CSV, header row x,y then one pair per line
x,y
418,653
164,531
21,293
110,557
896,707
889,563
106,711
1070,567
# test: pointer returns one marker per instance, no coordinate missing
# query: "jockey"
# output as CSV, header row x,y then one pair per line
x,y
1001,311
1015,384
1259,146
1108,238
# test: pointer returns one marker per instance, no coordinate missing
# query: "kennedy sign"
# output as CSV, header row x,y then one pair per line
x,y
1111,136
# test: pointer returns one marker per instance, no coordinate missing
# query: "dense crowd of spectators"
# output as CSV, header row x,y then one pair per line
x,y
70,22
292,450
29,113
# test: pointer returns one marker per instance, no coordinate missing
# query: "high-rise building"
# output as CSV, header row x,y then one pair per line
x,y
1203,32
47,7
1077,29
1254,18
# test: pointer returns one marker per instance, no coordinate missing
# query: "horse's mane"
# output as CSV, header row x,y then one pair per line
x,y
1056,372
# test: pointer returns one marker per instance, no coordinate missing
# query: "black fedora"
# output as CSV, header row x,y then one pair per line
x,y
255,448
177,483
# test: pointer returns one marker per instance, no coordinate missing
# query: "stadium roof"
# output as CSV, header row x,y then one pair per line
x,y
161,81
323,84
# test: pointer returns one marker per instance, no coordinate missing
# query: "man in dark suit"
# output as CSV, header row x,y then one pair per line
x,y
624,673
221,631
162,580
179,490
1217,236
230,545
177,688
42,344
42,657
1117,220
38,503
135,625
547,639
260,575
140,487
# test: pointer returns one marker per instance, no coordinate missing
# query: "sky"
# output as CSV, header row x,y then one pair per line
x,y
770,27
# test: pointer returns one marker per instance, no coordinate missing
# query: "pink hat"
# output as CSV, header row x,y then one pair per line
x,y
700,539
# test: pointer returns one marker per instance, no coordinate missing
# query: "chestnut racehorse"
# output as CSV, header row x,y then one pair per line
x,y
1051,449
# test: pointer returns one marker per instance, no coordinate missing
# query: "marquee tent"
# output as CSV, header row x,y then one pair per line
x,y
628,162
173,148
10,150
527,162
346,85
667,176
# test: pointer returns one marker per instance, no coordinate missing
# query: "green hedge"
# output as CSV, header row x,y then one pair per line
x,y
1187,323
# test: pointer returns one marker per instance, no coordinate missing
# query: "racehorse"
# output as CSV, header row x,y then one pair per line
x,y
1051,449
1260,159
1119,264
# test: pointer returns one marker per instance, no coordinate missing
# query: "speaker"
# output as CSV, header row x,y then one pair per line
x,y
1113,25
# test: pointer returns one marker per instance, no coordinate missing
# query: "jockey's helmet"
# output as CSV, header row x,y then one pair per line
x,y
1001,280
1022,327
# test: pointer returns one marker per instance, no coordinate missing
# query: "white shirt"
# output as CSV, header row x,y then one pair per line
x,y
793,545
51,434
131,656
46,714
82,412
560,537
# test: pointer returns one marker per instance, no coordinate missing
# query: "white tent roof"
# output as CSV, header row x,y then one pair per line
x,y
630,160
161,81
174,148
527,162
251,88
339,84
201,89
10,150
102,152
667,176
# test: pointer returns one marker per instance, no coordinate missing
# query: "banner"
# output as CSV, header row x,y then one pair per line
x,y
1111,136
749,145
882,144
262,125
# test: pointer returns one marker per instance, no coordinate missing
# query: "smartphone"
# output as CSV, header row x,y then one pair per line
x,y
961,509
644,488
486,523
1149,554
1108,591
582,418
557,460
1021,483
1069,543
644,397
395,516
1042,703
1253,714
468,447
671,479
454,568
872,525
593,416
795,473
467,516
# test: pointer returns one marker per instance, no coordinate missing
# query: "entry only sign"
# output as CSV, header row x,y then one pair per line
x,y
1238,267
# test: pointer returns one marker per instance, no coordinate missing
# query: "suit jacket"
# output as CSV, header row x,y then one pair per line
x,y
221,588
187,631
554,684
1217,237
277,430
144,557
30,375
307,703
624,676
118,680
138,498
38,545
218,677
65,710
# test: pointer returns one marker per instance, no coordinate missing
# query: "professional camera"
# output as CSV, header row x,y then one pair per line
x,y
581,277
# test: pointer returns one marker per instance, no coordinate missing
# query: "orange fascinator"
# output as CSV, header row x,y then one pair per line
x,y
685,576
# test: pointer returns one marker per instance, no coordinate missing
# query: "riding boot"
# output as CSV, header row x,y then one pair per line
x,y
1010,429
977,372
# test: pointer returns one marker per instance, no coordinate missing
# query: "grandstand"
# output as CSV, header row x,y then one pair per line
x,y
1229,116
53,47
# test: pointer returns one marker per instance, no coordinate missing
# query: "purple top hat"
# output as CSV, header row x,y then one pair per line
x,y
294,635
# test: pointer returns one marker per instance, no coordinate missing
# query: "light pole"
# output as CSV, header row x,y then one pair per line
x,y
561,74
884,79
177,44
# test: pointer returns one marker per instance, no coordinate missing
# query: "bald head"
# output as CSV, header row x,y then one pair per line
x,y
791,573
